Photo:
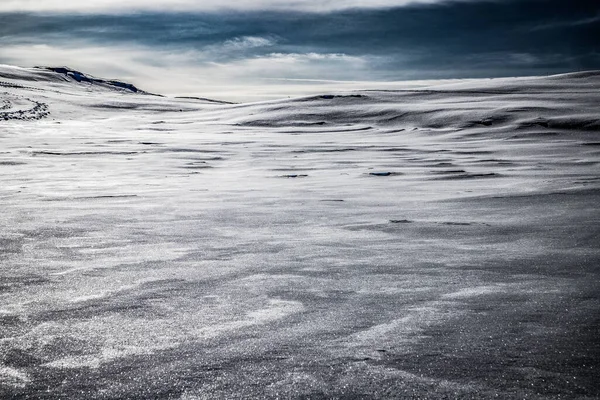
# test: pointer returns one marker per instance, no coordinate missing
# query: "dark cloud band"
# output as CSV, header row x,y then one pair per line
x,y
457,39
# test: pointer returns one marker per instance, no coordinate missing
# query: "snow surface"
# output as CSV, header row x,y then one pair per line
x,y
421,243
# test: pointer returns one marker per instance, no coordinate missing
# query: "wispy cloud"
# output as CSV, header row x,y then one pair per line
x,y
567,23
248,42
293,66
189,72
116,6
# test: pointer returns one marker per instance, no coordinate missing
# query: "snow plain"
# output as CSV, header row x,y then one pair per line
x,y
439,242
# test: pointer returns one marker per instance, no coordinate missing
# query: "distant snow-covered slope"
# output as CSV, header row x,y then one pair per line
x,y
55,75
428,243
74,93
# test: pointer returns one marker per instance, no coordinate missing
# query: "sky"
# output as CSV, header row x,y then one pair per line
x,y
256,49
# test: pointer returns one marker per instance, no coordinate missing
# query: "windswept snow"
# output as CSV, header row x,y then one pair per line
x,y
439,242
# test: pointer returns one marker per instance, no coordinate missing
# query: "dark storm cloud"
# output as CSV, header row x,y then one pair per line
x,y
455,39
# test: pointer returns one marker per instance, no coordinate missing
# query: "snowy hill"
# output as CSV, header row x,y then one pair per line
x,y
61,75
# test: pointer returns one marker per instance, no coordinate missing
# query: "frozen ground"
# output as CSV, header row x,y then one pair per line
x,y
431,243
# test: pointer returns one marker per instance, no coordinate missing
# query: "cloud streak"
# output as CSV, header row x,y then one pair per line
x,y
119,6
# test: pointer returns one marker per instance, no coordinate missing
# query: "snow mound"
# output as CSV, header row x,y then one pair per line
x,y
483,107
59,75
81,77
577,75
